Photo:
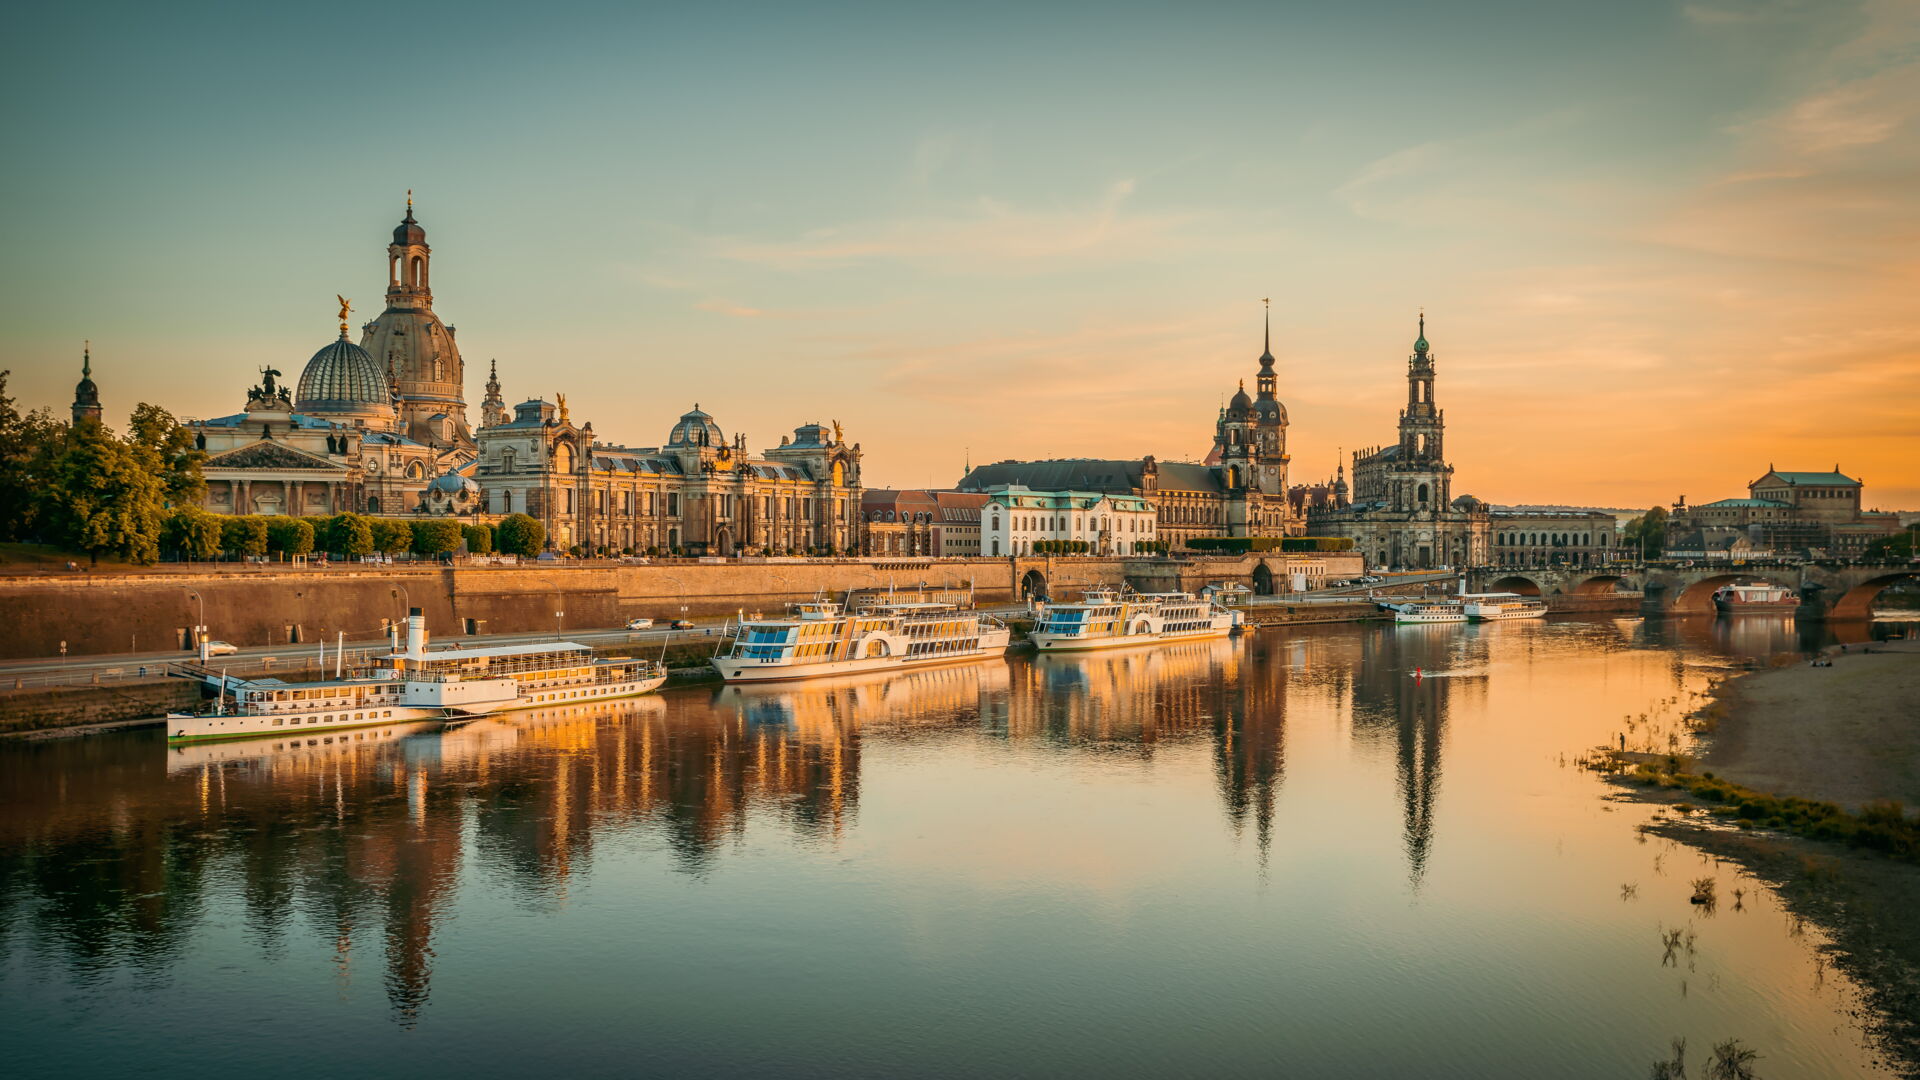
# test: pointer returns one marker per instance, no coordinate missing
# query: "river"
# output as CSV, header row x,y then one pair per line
x,y
1336,851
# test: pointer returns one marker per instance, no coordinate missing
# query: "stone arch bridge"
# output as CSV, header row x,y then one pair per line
x,y
1826,591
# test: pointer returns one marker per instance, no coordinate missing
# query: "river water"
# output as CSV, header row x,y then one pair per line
x,y
1328,852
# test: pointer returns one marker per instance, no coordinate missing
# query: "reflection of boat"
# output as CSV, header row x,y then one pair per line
x,y
819,639
1489,607
869,697
1752,599
1428,611
1104,619
290,747
418,683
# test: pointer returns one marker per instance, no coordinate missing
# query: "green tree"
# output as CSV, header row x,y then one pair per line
x,y
1892,548
518,534
29,443
192,532
289,535
479,539
348,535
390,536
102,497
436,536
154,429
1648,533
244,534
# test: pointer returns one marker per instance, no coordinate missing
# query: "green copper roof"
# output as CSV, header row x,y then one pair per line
x,y
1814,477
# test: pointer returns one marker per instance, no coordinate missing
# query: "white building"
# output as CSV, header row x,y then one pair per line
x,y
1016,518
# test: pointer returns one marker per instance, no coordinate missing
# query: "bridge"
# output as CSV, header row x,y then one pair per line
x,y
1826,590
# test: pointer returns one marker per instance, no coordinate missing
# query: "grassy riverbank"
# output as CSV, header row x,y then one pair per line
x,y
1804,780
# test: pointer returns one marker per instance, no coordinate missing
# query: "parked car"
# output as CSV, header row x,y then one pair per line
x,y
1338,584
683,624
221,648
639,624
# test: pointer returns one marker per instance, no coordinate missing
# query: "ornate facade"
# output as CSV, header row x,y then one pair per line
x,y
1401,511
1806,513
699,492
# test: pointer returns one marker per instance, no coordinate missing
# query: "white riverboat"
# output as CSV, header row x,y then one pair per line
x,y
820,638
417,683
1758,598
1105,619
1491,607
1450,610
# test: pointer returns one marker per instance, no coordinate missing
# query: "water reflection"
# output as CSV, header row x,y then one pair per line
x,y
119,855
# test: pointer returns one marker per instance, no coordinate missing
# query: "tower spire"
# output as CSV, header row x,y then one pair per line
x,y
86,359
1266,341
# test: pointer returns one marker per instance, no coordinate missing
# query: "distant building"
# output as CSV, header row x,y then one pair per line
x,y
1239,490
1711,543
1552,537
956,529
86,396
1799,513
1401,511
897,522
1016,517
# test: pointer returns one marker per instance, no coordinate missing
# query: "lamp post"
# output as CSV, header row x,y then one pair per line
x,y
200,627
399,592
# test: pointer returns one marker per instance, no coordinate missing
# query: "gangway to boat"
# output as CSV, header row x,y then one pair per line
x,y
202,673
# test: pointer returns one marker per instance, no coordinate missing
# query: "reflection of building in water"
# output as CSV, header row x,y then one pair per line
x,y
1250,747
1395,711
1133,695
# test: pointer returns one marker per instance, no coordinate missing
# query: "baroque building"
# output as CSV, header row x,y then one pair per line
x,y
699,492
416,350
1240,489
1401,511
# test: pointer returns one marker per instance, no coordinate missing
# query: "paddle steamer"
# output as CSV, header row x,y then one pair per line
x,y
1494,606
417,683
1756,599
1106,619
820,638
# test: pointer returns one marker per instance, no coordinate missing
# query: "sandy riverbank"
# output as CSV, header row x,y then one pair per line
x,y
1847,734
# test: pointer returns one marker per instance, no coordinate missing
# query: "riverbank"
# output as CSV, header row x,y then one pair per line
x,y
1805,775
1843,734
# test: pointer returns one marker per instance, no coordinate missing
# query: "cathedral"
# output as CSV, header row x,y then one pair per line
x,y
1401,511
380,427
1240,489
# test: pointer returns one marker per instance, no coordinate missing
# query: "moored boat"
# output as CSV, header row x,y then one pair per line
x,y
1757,598
1492,607
819,638
1105,619
417,683
1427,611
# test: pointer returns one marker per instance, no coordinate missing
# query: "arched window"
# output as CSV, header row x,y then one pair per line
x,y
1421,493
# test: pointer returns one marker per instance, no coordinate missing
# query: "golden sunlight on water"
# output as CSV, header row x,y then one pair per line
x,y
1331,852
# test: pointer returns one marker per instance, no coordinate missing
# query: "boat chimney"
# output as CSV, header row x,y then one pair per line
x,y
416,632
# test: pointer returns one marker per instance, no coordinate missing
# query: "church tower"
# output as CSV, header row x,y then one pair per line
x,y
409,338
1424,478
86,396
493,407
1270,436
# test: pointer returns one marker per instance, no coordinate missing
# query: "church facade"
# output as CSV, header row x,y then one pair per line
x,y
381,427
1240,489
1401,511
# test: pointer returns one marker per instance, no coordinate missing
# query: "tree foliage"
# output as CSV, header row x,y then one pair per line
x,y
479,539
29,443
192,532
103,497
518,534
348,535
289,535
391,537
243,534
1647,532
436,536
154,429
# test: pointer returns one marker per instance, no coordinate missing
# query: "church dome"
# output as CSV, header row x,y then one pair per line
x,y
341,377
696,428
454,485
1270,410
1241,407
409,230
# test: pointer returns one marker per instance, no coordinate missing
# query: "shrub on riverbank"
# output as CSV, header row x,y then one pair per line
x,y
1883,825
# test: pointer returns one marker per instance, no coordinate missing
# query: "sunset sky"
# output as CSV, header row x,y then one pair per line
x,y
1661,245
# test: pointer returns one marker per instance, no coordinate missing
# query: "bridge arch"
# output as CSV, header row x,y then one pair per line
x,y
1516,583
1857,601
1599,585
1696,597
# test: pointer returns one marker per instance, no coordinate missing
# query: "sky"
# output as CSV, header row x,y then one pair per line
x,y
1661,246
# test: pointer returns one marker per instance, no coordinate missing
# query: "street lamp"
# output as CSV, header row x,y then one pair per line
x,y
200,627
393,628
